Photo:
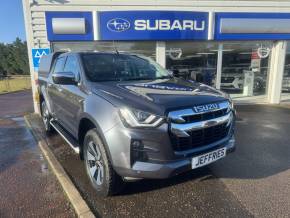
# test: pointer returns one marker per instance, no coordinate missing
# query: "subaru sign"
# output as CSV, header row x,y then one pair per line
x,y
153,25
252,26
69,26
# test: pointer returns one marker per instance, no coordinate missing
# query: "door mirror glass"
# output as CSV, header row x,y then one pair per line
x,y
64,78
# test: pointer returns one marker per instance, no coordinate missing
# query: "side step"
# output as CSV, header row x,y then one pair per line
x,y
66,136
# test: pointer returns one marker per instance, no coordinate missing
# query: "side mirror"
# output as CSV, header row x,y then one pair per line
x,y
64,78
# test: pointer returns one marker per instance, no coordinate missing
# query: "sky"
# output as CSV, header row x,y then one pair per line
x,y
11,21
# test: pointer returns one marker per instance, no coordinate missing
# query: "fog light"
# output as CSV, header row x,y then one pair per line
x,y
137,151
137,145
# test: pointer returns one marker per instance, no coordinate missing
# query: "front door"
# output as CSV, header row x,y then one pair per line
x,y
72,97
54,90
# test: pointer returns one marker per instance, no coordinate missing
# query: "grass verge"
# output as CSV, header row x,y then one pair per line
x,y
14,84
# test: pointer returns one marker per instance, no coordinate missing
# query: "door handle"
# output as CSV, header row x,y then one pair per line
x,y
59,89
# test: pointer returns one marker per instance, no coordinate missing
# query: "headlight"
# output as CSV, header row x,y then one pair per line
x,y
137,118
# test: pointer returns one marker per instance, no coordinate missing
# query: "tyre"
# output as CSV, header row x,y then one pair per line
x,y
46,117
98,166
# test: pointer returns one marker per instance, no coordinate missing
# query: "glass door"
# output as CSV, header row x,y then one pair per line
x,y
193,60
245,68
285,96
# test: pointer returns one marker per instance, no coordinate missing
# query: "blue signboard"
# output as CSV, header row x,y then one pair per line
x,y
69,26
37,53
252,26
153,25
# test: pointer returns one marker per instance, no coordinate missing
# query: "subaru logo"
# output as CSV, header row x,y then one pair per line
x,y
118,25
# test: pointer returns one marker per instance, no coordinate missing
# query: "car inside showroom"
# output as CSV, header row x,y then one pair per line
x,y
217,43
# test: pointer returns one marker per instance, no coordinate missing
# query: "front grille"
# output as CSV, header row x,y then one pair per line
x,y
205,116
190,129
227,79
201,137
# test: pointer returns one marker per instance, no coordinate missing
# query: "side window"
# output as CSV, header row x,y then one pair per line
x,y
72,65
59,65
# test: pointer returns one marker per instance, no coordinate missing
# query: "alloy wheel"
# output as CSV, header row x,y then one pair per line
x,y
95,163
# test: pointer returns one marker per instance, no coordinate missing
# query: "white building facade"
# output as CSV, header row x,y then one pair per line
x,y
239,47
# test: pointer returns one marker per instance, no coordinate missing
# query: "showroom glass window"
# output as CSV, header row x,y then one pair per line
x,y
141,47
286,77
245,68
193,60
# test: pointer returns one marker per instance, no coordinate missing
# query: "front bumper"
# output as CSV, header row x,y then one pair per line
x,y
162,160
167,169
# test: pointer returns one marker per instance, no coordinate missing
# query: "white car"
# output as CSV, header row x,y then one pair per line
x,y
232,81
235,81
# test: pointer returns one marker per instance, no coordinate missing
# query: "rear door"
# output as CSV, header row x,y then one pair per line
x,y
72,97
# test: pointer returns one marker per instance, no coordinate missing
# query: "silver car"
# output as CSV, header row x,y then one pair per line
x,y
129,119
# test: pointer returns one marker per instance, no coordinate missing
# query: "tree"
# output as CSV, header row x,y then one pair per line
x,y
14,58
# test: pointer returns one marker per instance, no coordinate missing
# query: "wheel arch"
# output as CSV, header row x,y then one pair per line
x,y
87,123
43,97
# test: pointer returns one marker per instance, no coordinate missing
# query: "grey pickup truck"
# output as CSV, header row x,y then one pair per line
x,y
130,119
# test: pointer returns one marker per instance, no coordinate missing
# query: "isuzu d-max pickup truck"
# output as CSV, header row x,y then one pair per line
x,y
130,119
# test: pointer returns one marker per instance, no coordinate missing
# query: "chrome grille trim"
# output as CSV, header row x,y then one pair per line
x,y
177,116
181,130
193,130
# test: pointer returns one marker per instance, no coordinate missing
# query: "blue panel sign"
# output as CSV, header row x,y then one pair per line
x,y
37,53
153,25
252,26
69,26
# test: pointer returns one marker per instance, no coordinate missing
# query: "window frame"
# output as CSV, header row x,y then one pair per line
x,y
53,70
77,74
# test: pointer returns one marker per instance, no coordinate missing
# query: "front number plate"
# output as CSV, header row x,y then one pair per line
x,y
208,158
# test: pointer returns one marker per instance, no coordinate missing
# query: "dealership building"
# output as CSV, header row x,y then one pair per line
x,y
239,47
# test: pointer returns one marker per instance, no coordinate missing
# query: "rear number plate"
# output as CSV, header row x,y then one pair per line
x,y
208,158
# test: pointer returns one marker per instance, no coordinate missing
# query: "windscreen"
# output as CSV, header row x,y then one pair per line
x,y
121,67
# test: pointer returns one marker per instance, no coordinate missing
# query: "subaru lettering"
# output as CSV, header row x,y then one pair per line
x,y
169,25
